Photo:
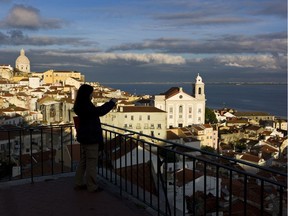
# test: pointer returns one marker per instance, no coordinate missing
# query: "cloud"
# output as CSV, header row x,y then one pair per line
x,y
232,44
24,17
183,19
267,62
106,58
17,37
275,8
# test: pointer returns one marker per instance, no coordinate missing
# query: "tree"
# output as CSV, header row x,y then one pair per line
x,y
210,116
208,149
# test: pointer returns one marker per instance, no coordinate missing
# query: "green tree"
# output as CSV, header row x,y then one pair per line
x,y
210,116
208,149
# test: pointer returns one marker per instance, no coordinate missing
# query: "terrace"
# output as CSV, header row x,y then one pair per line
x,y
140,174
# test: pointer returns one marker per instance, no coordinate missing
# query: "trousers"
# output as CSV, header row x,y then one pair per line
x,y
88,164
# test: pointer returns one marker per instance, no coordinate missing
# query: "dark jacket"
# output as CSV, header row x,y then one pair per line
x,y
89,130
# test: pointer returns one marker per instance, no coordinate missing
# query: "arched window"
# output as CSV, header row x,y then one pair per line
x,y
180,109
199,90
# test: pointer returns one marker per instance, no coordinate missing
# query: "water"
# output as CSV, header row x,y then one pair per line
x,y
245,97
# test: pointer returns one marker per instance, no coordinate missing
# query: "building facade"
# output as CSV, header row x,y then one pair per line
x,y
183,109
146,120
52,76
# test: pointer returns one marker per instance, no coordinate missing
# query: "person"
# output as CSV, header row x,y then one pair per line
x,y
90,137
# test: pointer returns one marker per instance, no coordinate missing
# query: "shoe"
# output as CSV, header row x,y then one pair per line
x,y
80,187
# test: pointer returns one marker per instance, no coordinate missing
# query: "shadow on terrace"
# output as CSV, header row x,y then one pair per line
x,y
157,175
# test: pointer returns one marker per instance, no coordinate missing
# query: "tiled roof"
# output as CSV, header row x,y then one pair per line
x,y
181,179
139,109
171,92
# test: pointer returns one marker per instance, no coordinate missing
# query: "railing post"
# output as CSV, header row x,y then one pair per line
x,y
31,155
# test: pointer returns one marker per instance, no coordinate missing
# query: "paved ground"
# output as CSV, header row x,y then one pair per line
x,y
56,197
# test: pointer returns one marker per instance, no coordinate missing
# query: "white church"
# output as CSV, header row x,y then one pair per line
x,y
182,108
22,64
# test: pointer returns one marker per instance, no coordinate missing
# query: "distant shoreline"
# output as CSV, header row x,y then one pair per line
x,y
213,83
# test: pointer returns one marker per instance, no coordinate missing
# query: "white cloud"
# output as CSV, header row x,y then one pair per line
x,y
259,61
24,17
141,58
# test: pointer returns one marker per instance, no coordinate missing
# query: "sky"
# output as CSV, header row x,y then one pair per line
x,y
122,41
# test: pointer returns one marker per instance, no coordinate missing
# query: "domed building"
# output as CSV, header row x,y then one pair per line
x,y
22,62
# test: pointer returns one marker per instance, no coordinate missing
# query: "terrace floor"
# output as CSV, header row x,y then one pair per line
x,y
53,196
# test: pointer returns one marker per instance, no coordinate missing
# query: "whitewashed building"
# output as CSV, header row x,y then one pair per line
x,y
145,120
182,108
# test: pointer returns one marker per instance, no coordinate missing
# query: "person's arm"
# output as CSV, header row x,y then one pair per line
x,y
106,107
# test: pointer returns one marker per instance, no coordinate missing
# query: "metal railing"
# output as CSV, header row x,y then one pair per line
x,y
171,178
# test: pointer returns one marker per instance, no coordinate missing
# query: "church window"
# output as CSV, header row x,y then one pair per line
x,y
199,110
199,91
52,111
181,109
190,110
180,96
171,110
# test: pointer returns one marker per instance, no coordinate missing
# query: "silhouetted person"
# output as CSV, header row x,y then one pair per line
x,y
89,135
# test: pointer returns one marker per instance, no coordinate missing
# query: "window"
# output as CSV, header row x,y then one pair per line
x,y
140,118
125,125
148,117
171,116
152,133
190,116
132,117
180,109
159,126
199,91
146,126
152,126
171,110
199,110
125,116
190,110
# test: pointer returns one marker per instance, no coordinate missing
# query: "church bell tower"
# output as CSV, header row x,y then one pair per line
x,y
199,88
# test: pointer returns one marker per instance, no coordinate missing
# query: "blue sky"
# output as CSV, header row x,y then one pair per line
x,y
149,40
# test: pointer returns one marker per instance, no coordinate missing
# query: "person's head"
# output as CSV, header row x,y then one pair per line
x,y
84,92
83,95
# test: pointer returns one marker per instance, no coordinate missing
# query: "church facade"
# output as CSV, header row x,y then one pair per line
x,y
182,108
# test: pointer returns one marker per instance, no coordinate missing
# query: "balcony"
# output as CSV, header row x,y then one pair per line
x,y
164,178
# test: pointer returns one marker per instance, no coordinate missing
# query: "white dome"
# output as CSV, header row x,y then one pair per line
x,y
22,62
